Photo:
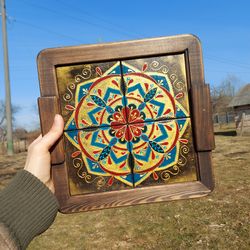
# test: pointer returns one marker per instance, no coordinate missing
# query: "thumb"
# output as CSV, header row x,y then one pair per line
x,y
54,133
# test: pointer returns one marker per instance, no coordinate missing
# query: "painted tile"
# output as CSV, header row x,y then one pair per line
x,y
163,153
157,87
130,155
98,159
90,94
126,124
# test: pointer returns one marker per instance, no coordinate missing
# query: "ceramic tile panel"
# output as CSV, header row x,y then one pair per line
x,y
89,94
126,124
157,87
98,160
163,153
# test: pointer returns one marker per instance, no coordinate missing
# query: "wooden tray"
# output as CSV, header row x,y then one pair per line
x,y
138,126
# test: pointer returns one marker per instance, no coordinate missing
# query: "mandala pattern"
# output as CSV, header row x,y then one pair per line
x,y
127,123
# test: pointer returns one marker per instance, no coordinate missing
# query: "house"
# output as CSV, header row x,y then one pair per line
x,y
241,105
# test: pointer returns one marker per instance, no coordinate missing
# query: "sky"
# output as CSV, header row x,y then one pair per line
x,y
222,26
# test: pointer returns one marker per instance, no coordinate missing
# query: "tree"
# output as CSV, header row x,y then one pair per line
x,y
223,93
15,110
20,134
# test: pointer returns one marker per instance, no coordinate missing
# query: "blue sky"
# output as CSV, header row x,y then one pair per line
x,y
223,27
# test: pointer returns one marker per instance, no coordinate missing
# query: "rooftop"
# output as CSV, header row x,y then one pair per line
x,y
242,97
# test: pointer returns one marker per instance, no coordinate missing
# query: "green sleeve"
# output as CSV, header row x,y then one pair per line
x,y
27,208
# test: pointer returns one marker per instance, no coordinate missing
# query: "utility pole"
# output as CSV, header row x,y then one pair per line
x,y
7,82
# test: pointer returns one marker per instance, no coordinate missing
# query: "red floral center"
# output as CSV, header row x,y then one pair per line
x,y
127,130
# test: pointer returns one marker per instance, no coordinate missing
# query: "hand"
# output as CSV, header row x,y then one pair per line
x,y
38,159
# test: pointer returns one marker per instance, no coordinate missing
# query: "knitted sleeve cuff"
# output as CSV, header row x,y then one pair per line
x,y
27,207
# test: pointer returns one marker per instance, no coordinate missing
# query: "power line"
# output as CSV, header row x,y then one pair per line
x,y
216,59
79,19
101,19
228,72
11,19
47,30
228,62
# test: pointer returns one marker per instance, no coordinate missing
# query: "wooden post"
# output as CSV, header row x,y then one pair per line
x,y
242,123
10,149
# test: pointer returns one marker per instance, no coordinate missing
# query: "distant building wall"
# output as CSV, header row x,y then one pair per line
x,y
242,119
224,117
19,146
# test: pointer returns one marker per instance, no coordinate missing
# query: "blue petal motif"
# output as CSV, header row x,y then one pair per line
x,y
162,81
142,106
150,95
156,147
109,110
113,142
144,137
98,101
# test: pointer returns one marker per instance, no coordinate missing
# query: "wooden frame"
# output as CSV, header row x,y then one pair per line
x,y
200,104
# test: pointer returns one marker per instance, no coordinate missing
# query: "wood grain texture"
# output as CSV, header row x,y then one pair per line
x,y
48,59
48,108
210,117
132,197
206,171
200,108
202,116
60,179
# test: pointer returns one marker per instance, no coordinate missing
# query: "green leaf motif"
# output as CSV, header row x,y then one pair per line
x,y
150,95
156,147
98,101
105,152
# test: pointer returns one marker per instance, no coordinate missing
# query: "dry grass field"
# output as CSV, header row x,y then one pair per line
x,y
218,221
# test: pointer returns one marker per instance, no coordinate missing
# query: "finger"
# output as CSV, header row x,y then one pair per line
x,y
39,138
54,133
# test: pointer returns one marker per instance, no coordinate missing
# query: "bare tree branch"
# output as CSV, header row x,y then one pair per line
x,y
223,93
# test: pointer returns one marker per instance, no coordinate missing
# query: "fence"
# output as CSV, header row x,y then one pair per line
x,y
19,146
224,118
243,123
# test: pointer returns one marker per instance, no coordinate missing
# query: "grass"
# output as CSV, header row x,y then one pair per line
x,y
224,126
218,221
